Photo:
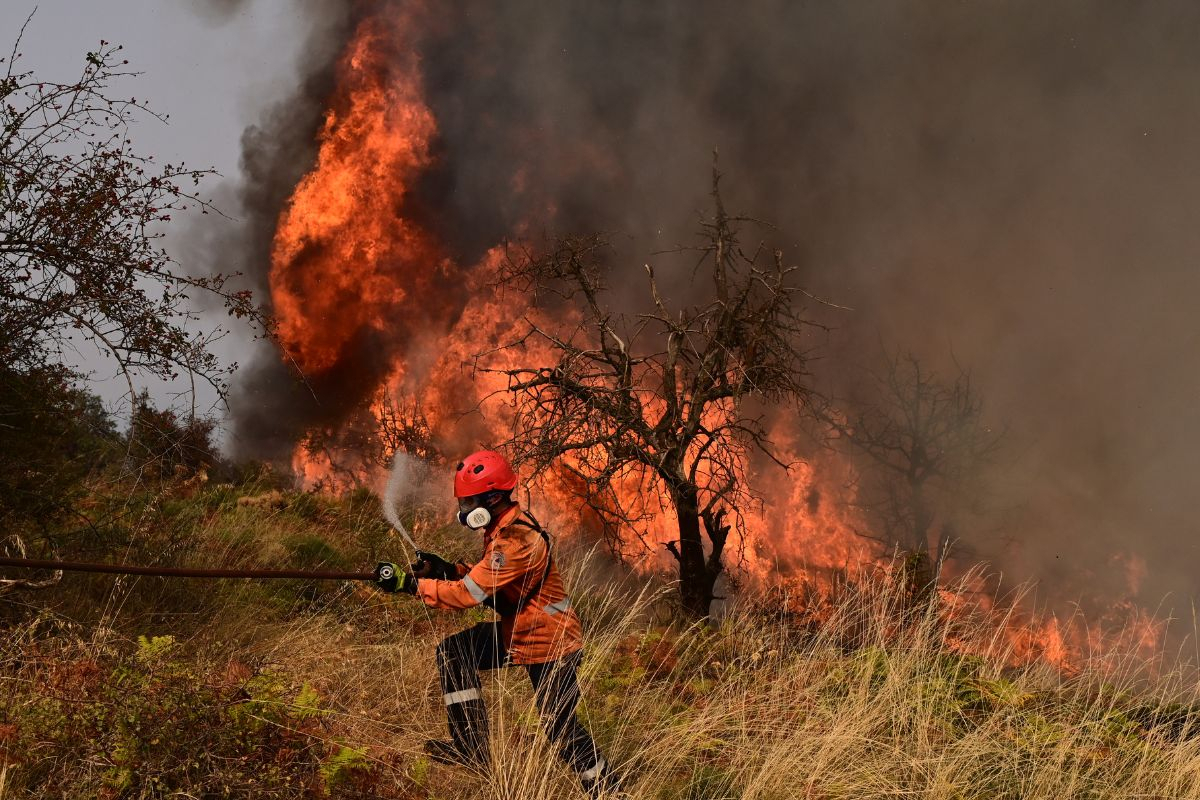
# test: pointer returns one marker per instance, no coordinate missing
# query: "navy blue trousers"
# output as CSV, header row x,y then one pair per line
x,y
462,656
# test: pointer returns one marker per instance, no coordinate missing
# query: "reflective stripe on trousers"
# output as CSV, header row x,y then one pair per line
x,y
462,696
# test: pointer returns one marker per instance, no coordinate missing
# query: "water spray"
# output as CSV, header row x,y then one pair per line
x,y
399,482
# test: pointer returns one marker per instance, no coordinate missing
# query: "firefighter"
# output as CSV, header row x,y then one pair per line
x,y
537,628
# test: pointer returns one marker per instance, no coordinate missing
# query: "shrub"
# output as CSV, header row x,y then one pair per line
x,y
151,723
53,436
163,445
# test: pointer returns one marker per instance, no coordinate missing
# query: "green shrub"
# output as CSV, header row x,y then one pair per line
x,y
165,445
152,724
342,766
53,436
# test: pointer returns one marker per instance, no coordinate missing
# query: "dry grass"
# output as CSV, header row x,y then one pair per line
x,y
872,704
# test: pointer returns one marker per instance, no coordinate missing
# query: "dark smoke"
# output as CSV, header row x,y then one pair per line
x,y
269,402
1013,184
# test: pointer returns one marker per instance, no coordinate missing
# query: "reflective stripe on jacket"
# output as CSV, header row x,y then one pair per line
x,y
545,628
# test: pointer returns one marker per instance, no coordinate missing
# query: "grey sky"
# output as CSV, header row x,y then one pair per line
x,y
208,71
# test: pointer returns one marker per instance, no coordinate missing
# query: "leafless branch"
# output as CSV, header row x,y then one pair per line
x,y
657,400
921,440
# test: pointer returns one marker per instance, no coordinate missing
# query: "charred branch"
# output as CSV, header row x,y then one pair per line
x,y
921,439
658,401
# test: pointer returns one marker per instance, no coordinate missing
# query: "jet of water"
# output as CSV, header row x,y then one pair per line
x,y
400,484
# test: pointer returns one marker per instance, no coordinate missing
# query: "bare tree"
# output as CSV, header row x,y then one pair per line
x,y
922,441
403,428
658,410
368,440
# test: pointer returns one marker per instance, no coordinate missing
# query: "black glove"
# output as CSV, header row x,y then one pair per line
x,y
390,579
431,565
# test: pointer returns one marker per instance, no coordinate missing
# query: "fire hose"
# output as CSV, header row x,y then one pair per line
x,y
185,572
383,571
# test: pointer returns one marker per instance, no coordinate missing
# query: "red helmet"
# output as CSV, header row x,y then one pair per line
x,y
481,472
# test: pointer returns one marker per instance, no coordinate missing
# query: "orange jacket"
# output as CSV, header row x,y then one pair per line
x,y
515,558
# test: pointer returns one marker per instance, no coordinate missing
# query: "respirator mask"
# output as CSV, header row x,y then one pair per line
x,y
475,512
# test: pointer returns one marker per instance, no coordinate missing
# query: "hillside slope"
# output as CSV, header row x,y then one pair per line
x,y
186,688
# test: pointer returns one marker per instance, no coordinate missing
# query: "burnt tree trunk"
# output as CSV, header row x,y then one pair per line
x,y
922,560
922,517
697,574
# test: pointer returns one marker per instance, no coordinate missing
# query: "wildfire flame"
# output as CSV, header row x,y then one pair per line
x,y
345,259
352,269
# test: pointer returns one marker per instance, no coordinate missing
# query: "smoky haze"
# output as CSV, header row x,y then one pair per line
x,y
1014,186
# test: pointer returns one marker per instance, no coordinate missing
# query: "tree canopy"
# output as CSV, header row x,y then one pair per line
x,y
82,218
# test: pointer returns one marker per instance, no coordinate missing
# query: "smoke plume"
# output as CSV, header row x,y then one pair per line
x,y
1009,186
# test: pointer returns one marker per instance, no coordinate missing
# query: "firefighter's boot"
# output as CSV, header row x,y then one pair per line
x,y
469,736
447,752
601,781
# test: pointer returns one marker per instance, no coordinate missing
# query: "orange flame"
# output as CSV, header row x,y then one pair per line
x,y
350,266
345,260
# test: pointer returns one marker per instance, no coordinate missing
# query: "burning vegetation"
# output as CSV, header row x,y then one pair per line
x,y
672,415
658,422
